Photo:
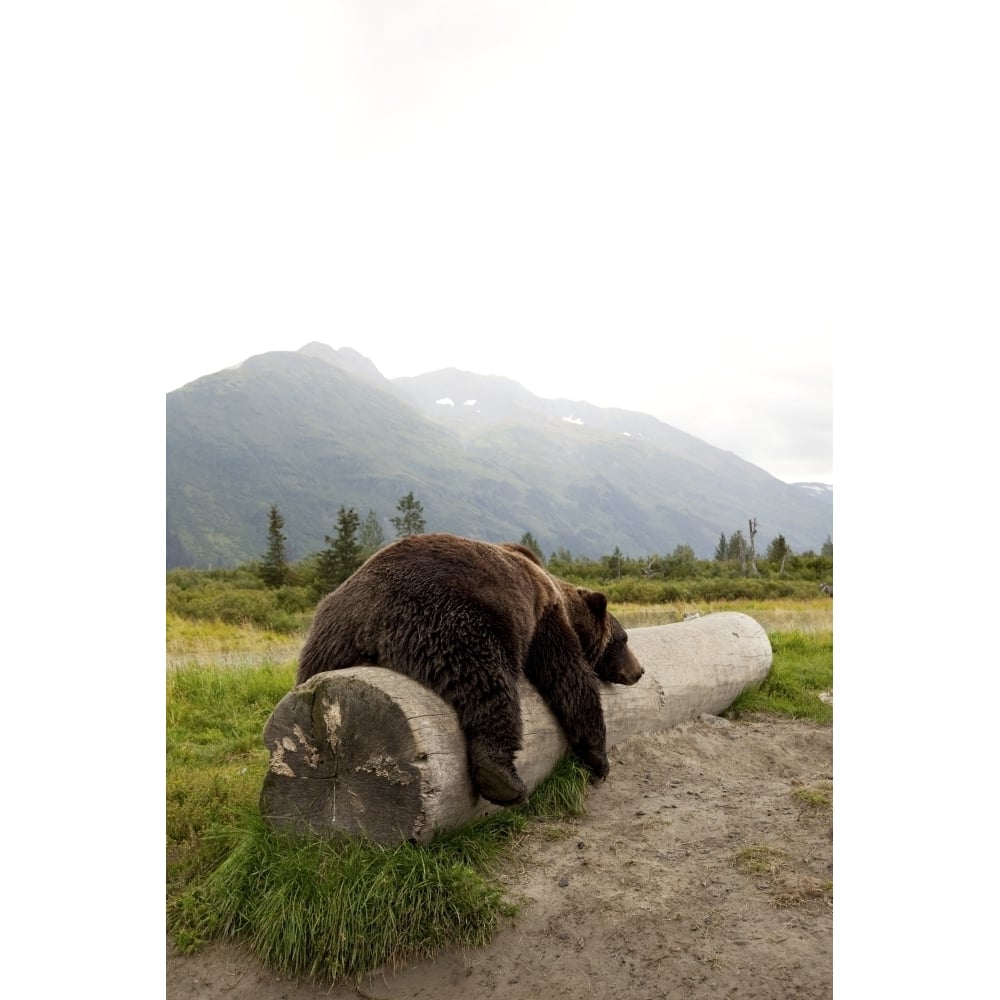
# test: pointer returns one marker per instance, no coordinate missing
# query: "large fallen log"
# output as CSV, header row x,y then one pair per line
x,y
371,752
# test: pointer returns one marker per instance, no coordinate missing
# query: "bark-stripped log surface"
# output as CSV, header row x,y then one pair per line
x,y
370,752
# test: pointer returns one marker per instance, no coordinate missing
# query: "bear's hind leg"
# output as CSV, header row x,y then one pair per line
x,y
493,774
489,712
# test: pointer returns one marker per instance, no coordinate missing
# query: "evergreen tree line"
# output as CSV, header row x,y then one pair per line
x,y
355,540
353,543
275,594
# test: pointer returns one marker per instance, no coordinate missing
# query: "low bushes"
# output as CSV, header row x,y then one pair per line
x,y
237,597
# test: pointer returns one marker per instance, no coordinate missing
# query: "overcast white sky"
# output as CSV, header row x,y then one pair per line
x,y
617,203
674,207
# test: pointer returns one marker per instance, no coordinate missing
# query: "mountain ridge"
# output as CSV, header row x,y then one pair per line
x,y
316,429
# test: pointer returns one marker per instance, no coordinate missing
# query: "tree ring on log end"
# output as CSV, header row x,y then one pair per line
x,y
353,745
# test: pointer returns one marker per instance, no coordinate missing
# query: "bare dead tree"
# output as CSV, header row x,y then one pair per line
x,y
753,550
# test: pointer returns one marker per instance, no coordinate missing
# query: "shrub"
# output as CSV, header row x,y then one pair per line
x,y
285,609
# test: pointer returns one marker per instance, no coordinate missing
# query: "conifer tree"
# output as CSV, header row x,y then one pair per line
x,y
614,562
736,547
372,536
411,517
721,548
777,552
274,566
342,556
528,541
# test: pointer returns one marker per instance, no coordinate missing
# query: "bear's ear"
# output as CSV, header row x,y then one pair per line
x,y
597,603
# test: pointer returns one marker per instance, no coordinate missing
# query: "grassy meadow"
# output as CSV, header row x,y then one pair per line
x,y
332,910
810,615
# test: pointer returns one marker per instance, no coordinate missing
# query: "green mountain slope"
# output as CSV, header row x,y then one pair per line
x,y
316,429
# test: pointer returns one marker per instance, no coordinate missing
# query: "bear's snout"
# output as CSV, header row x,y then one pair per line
x,y
632,671
619,666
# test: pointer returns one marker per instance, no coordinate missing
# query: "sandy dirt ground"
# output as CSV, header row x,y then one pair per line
x,y
644,896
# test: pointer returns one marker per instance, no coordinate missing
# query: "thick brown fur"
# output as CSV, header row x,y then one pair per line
x,y
467,619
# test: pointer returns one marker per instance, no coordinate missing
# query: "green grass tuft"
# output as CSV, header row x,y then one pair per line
x,y
563,793
801,670
760,859
817,798
332,909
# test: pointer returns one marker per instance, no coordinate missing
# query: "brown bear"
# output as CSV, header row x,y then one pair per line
x,y
467,619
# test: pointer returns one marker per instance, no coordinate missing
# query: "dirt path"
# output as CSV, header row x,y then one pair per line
x,y
643,896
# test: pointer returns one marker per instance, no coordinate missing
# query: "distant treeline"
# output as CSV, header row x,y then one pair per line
x,y
274,594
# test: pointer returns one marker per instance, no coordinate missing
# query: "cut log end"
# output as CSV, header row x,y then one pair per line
x,y
360,751
367,751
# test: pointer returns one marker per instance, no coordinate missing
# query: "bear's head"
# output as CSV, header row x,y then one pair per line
x,y
604,641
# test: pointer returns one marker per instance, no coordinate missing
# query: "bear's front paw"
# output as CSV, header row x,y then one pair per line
x,y
596,762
